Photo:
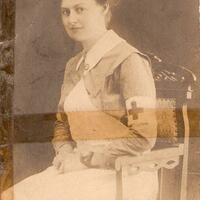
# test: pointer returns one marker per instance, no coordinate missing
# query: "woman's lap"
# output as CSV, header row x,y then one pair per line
x,y
88,184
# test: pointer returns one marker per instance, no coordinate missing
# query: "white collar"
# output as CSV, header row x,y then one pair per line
x,y
107,42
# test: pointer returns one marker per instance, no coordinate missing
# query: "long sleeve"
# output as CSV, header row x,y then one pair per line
x,y
138,91
62,135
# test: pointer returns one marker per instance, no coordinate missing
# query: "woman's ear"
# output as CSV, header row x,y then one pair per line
x,y
106,8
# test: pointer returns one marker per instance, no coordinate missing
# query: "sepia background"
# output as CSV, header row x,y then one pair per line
x,y
169,29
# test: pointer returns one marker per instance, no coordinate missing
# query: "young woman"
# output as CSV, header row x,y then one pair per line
x,y
106,110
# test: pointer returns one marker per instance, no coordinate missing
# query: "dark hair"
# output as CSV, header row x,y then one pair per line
x,y
111,3
101,2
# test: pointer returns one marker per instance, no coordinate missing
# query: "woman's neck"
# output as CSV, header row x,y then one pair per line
x,y
89,43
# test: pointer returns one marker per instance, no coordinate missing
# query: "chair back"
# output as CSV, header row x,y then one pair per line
x,y
174,86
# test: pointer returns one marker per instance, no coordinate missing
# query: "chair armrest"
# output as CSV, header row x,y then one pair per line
x,y
151,161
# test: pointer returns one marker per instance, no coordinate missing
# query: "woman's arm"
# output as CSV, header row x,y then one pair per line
x,y
62,136
138,91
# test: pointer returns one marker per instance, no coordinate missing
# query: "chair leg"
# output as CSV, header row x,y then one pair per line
x,y
160,194
119,185
183,192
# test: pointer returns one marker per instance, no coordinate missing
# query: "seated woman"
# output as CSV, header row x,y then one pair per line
x,y
106,110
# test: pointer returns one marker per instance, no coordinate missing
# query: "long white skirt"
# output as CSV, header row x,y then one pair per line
x,y
85,184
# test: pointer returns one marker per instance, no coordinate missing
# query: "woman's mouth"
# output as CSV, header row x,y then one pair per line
x,y
75,28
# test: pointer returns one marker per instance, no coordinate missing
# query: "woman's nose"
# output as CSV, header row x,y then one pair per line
x,y
72,18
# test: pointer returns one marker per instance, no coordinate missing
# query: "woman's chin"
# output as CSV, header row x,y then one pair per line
x,y
77,37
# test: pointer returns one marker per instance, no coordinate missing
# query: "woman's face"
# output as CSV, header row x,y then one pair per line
x,y
83,19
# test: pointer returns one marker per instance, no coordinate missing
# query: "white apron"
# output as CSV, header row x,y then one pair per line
x,y
86,183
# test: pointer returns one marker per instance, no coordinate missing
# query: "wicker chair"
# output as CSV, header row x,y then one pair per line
x,y
174,89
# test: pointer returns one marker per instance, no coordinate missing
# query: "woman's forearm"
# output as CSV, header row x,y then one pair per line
x,y
62,136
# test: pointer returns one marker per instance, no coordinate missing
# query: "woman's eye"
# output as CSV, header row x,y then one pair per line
x,y
79,10
66,12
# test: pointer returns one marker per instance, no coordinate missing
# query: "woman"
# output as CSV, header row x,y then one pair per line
x,y
106,110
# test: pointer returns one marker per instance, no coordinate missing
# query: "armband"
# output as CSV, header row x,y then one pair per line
x,y
137,105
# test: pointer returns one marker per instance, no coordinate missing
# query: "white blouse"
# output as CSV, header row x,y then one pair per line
x,y
78,99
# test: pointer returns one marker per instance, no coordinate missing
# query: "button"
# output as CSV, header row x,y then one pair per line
x,y
87,66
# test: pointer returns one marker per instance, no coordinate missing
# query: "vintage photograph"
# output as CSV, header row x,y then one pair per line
x,y
99,100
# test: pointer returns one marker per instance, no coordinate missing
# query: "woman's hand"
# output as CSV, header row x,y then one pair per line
x,y
97,160
58,163
63,163
66,161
